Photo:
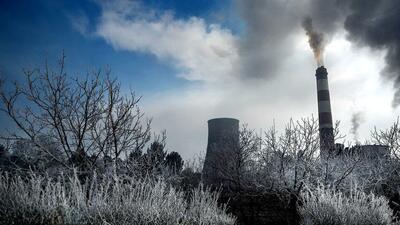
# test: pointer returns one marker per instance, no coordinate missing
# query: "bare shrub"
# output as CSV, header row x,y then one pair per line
x,y
323,206
389,137
203,208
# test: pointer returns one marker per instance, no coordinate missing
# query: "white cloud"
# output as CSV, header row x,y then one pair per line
x,y
201,51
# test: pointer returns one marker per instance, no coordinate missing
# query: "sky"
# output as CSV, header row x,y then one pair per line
x,y
192,61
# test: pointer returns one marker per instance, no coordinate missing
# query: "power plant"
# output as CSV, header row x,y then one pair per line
x,y
223,137
328,148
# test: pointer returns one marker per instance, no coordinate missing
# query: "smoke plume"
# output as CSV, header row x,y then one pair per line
x,y
268,36
315,39
374,24
356,119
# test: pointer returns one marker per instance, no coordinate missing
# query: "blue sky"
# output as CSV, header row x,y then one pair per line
x,y
35,30
200,59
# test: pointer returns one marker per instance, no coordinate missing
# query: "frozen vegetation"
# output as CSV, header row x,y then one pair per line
x,y
323,206
118,201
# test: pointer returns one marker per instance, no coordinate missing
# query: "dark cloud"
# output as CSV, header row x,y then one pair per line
x,y
376,24
269,26
271,23
327,15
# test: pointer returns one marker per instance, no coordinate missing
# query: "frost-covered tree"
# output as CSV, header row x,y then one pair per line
x,y
88,116
27,152
389,137
387,172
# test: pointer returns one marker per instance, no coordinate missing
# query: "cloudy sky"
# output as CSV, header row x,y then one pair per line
x,y
201,59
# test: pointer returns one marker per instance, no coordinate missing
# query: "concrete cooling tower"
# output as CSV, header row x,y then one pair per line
x,y
223,138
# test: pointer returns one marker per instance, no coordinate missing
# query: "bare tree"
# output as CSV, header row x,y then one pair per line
x,y
389,137
87,116
389,170
289,157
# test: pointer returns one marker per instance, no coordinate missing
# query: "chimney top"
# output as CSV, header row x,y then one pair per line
x,y
321,70
321,73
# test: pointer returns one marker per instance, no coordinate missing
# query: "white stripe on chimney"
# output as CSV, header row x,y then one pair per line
x,y
324,106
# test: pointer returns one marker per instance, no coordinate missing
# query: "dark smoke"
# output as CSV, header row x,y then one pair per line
x,y
377,24
271,23
315,39
371,23
268,36
356,119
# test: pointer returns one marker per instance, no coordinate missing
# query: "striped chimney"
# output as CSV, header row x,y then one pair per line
x,y
324,112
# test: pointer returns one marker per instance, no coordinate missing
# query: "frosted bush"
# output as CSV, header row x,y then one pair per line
x,y
203,208
323,206
117,201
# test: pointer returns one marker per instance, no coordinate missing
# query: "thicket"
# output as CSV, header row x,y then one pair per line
x,y
114,200
324,206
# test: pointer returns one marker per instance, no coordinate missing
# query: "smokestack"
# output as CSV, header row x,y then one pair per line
x,y
223,138
324,113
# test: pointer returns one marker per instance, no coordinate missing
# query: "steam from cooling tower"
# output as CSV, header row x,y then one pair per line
x,y
315,39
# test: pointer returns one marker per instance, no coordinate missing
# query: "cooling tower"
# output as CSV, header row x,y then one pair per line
x,y
324,113
223,139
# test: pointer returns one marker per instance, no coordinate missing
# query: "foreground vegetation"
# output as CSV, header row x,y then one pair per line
x,y
116,200
323,206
